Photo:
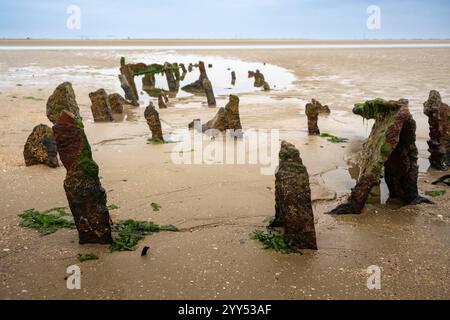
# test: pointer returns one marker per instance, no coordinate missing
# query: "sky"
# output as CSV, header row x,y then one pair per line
x,y
224,19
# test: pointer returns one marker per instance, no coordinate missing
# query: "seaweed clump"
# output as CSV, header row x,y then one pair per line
x,y
130,232
46,222
273,239
333,139
86,257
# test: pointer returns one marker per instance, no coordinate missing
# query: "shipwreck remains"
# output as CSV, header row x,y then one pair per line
x,y
438,119
392,146
226,118
152,117
86,197
40,147
129,71
293,209
101,111
63,98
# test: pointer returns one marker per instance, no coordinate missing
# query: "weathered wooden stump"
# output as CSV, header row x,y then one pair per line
x,y
293,209
86,197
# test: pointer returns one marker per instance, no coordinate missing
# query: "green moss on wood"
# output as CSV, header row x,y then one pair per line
x,y
373,109
85,161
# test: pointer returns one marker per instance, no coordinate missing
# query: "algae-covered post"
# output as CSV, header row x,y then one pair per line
x,y
293,209
40,147
392,145
183,68
86,197
152,117
438,114
312,113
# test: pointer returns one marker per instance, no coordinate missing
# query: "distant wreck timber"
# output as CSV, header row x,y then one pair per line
x,y
202,86
312,114
438,119
293,209
86,197
154,123
101,110
226,119
392,146
63,98
129,71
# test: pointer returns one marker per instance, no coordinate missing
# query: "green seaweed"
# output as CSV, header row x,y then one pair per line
x,y
436,193
86,257
271,239
113,207
33,98
130,232
333,139
46,222
155,206
156,141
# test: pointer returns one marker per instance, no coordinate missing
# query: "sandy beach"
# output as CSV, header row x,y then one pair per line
x,y
217,207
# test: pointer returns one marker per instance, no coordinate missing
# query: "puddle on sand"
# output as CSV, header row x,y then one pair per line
x,y
342,180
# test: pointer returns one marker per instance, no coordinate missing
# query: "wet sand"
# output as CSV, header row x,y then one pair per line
x,y
218,206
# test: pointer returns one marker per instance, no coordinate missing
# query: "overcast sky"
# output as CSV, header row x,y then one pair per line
x,y
303,19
